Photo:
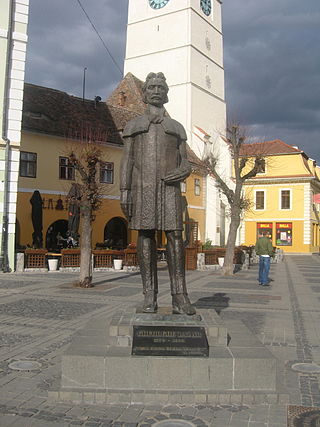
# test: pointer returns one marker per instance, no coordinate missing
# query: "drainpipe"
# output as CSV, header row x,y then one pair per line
x,y
4,259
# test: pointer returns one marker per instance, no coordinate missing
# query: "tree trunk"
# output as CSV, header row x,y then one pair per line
x,y
228,268
85,279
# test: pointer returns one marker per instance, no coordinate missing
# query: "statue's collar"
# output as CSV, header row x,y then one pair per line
x,y
154,114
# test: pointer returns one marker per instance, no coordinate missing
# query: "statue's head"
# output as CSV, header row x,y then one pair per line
x,y
155,89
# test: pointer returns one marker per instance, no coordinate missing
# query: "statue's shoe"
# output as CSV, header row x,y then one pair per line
x,y
182,305
150,303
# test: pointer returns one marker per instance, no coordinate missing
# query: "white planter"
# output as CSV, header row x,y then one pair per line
x,y
117,263
53,264
221,261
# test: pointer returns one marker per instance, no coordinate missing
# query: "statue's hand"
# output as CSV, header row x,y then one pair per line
x,y
126,203
178,174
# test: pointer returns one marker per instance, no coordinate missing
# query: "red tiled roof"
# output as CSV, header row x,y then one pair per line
x,y
54,112
196,163
202,131
268,148
302,175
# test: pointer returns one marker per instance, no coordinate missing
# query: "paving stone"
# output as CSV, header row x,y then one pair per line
x,y
44,318
239,423
130,414
205,414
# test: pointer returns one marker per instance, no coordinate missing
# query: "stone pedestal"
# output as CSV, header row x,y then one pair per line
x,y
99,365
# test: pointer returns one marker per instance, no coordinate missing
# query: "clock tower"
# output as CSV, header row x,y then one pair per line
x,y
183,39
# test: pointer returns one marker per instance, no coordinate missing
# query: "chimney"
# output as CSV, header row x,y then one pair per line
x,y
97,99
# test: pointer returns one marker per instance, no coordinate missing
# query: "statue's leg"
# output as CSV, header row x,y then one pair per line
x,y
176,266
147,257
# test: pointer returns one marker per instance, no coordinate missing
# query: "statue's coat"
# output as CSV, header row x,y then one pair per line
x,y
152,150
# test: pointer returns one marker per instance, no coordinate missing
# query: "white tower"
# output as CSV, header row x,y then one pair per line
x,y
183,39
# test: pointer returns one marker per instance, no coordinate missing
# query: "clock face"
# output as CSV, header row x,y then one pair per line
x,y
158,4
206,6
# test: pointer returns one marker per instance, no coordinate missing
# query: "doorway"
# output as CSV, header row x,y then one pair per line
x,y
56,236
116,233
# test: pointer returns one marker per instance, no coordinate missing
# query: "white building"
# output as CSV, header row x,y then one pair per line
x,y
13,41
183,39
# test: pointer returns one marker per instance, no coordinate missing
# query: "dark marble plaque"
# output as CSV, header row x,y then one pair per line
x,y
185,341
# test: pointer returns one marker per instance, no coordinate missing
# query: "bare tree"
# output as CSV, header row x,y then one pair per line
x,y
85,159
244,169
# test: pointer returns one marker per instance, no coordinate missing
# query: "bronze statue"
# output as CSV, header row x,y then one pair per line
x,y
153,165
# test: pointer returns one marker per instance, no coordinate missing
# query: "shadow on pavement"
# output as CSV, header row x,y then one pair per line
x,y
217,302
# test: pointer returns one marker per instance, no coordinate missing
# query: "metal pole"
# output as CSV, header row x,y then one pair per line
x,y
84,84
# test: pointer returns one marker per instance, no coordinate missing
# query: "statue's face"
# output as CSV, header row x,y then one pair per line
x,y
156,92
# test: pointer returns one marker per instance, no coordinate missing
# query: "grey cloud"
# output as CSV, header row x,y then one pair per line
x,y
62,42
272,63
271,59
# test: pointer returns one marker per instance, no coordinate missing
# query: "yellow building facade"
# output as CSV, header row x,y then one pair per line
x,y
48,182
282,198
48,116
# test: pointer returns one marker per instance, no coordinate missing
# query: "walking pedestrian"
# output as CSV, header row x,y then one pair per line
x,y
264,249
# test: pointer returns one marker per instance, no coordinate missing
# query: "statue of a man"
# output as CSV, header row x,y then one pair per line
x,y
153,165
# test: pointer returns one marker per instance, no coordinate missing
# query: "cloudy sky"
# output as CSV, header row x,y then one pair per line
x,y
271,51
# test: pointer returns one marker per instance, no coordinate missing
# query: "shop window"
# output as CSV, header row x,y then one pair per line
x,y
262,227
260,199
285,199
66,170
28,164
183,186
197,188
106,172
284,233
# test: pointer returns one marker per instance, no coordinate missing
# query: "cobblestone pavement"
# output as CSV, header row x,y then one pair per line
x,y
40,313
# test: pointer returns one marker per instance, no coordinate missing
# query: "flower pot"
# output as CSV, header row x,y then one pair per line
x,y
221,261
53,264
117,263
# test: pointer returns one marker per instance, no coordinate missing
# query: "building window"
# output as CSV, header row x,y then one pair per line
x,y
262,167
285,199
260,200
183,186
197,188
28,164
66,170
106,172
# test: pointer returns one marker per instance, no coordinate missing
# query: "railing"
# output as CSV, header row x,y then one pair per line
x,y
35,258
130,257
211,255
104,258
70,258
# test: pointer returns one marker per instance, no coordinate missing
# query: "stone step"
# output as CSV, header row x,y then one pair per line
x,y
99,364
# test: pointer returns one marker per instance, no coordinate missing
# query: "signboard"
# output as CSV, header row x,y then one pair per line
x,y
170,341
284,233
264,226
316,198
